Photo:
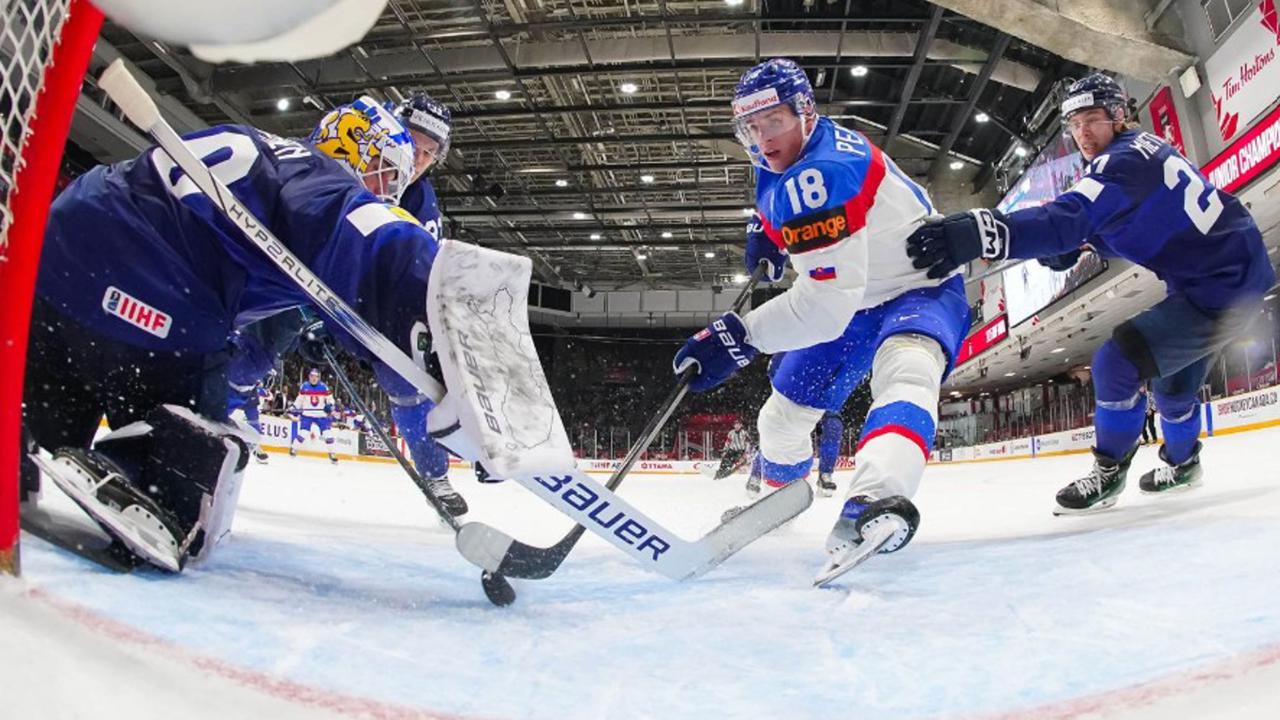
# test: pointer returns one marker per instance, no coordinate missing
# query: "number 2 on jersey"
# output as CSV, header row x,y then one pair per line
x,y
1202,217
808,186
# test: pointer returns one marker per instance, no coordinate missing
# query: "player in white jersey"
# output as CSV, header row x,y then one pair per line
x,y
840,211
313,408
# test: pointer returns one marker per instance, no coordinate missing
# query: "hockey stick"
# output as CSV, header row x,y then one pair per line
x,y
536,563
125,91
571,492
497,589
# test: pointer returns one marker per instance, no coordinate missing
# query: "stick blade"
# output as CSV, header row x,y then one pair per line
x,y
483,545
758,519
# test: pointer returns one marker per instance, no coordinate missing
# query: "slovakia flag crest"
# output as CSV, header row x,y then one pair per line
x,y
823,273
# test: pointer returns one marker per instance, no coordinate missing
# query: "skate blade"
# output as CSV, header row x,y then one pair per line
x,y
1103,506
144,535
1176,489
877,538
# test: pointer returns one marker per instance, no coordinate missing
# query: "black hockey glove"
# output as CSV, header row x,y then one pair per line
x,y
946,244
1061,263
312,341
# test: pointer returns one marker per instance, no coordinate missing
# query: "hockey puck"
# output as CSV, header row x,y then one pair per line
x,y
497,589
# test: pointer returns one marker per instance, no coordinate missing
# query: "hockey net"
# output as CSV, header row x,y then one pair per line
x,y
45,47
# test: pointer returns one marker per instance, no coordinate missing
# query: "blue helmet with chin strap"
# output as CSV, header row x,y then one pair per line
x,y
1095,91
770,84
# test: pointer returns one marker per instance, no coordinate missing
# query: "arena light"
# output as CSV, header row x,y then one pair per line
x,y
981,117
503,94
739,278
709,254
1020,151
579,216
641,256
595,236
628,87
858,70
282,104
562,183
733,3
1058,350
1010,374
646,178
748,211
666,235
956,165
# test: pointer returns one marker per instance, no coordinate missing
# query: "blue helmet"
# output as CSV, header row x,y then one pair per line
x,y
431,118
1094,91
771,83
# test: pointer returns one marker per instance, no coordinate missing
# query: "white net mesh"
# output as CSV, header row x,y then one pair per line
x,y
28,31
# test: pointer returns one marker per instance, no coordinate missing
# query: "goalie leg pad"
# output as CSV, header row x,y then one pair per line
x,y
898,434
190,466
785,447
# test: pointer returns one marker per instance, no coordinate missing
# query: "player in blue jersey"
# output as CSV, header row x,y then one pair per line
x,y
830,433
840,211
142,281
256,349
431,125
1143,201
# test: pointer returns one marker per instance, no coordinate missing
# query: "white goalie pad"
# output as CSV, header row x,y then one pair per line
x,y
477,306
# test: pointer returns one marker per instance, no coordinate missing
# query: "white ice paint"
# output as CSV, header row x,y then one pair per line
x,y
338,579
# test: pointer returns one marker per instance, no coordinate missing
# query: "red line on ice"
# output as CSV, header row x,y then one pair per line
x,y
273,686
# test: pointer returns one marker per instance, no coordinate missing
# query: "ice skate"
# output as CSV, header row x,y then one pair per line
x,y
1170,477
453,503
753,486
867,527
826,486
333,458
124,511
1099,489
261,455
293,452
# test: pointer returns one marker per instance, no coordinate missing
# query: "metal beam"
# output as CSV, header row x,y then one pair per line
x,y
927,34
975,92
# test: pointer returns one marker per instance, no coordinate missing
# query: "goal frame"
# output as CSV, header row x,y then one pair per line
x,y
40,152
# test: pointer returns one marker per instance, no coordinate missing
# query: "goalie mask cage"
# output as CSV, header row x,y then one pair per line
x,y
45,47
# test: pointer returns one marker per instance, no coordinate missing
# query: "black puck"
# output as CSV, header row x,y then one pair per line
x,y
497,589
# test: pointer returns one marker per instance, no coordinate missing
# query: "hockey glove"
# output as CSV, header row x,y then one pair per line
x,y
312,342
761,249
1061,263
946,244
715,353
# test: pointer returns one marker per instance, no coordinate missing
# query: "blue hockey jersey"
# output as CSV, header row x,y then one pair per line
x,y
1142,201
419,200
136,253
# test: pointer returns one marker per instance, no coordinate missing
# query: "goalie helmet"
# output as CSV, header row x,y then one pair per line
x,y
768,85
367,140
422,113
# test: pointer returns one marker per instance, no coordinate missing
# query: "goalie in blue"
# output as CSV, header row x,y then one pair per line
x,y
1143,201
839,211
143,280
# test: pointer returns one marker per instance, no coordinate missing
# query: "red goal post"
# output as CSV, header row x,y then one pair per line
x,y
45,46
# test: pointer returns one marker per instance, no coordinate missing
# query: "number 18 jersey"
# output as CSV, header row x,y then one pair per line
x,y
842,212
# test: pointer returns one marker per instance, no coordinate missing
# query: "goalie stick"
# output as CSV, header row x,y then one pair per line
x,y
535,563
496,588
572,492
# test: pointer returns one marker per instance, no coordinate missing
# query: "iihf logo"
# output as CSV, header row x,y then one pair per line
x,y
120,304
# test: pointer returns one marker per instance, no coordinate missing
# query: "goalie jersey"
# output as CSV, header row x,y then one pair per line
x,y
136,253
842,212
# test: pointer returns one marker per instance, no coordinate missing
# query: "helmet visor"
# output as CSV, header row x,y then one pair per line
x,y
756,130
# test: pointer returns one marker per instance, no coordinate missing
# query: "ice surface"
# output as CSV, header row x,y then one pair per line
x,y
339,595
